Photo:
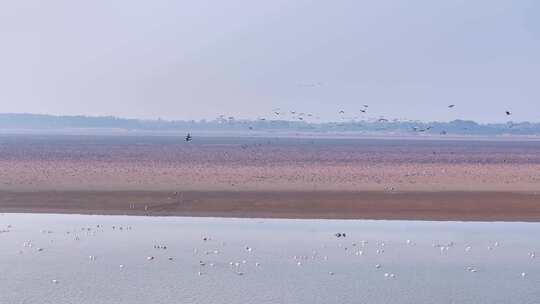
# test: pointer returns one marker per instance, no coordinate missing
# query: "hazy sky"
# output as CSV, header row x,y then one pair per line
x,y
198,59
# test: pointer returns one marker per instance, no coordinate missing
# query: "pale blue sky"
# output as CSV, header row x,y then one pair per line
x,y
199,59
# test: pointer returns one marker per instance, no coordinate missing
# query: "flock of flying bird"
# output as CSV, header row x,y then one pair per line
x,y
363,110
302,116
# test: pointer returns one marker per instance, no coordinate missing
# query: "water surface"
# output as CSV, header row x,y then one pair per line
x,y
104,259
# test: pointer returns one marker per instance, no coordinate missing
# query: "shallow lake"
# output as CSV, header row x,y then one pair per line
x,y
59,259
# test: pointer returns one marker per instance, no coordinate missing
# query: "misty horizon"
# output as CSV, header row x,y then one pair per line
x,y
269,117
43,123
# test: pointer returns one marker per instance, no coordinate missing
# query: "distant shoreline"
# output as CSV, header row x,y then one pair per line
x,y
433,206
264,135
374,126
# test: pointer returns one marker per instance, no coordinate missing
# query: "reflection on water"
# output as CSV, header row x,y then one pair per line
x,y
116,259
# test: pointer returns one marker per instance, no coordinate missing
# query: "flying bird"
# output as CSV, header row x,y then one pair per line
x,y
451,106
311,85
508,113
188,137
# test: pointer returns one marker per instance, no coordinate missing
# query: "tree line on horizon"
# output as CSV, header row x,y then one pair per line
x,y
462,127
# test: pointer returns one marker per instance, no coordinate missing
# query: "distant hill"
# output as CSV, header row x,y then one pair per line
x,y
457,127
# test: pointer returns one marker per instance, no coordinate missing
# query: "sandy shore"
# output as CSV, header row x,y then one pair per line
x,y
466,206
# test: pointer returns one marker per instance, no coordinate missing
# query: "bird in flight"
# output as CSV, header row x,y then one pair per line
x,y
451,106
311,85
188,137
508,113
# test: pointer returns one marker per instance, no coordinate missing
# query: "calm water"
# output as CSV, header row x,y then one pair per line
x,y
104,259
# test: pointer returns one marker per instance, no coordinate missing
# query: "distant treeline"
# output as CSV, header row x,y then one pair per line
x,y
458,127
